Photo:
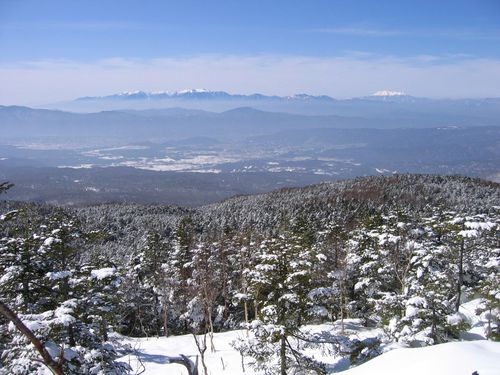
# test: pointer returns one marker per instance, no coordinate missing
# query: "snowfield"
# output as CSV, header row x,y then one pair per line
x,y
454,358
153,353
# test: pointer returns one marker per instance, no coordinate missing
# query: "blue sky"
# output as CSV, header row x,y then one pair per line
x,y
61,49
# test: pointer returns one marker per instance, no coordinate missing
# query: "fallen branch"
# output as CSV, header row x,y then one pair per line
x,y
186,362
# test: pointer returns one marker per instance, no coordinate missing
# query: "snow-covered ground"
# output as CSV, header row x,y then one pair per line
x,y
153,353
454,358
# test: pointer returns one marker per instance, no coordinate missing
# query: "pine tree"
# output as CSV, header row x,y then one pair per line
x,y
282,281
41,267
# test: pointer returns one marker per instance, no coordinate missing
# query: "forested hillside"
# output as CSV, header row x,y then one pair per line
x,y
401,253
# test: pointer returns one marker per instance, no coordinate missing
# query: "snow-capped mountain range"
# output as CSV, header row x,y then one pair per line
x,y
210,94
199,94
383,103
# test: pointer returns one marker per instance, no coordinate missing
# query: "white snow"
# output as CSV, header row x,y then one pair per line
x,y
417,301
457,220
455,319
383,170
81,166
444,359
198,163
154,354
480,226
468,233
58,275
50,240
388,93
420,272
102,273
8,214
192,91
130,93
111,157
477,322
411,311
62,314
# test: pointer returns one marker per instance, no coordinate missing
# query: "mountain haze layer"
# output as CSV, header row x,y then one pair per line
x,y
177,151
381,104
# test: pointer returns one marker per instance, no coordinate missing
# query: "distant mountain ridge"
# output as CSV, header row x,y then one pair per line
x,y
381,104
176,123
205,94
201,94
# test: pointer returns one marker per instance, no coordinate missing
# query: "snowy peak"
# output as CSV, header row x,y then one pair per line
x,y
202,94
142,95
192,91
391,96
131,93
388,93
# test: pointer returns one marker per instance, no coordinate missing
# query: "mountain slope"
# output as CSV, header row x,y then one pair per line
x,y
343,200
24,122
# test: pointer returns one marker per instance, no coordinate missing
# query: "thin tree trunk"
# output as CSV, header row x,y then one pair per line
x,y
242,362
208,318
245,308
158,319
165,320
201,349
460,275
488,332
342,301
211,326
433,327
55,367
283,355
26,260
71,335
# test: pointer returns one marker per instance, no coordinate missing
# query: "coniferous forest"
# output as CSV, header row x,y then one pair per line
x,y
401,253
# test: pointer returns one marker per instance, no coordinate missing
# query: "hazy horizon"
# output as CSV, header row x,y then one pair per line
x,y
57,51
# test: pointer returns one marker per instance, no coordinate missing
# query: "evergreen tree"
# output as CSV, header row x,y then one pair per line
x,y
41,268
283,279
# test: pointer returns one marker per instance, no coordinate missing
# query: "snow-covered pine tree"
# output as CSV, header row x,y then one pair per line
x,y
143,308
51,310
281,281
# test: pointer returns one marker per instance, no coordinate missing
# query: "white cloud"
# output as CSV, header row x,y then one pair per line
x,y
458,34
356,74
